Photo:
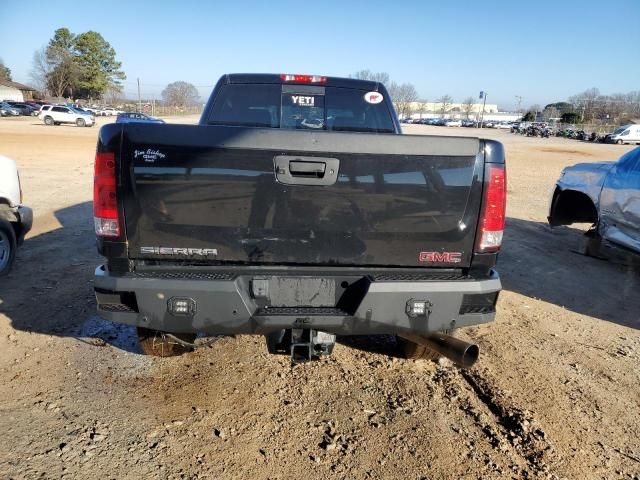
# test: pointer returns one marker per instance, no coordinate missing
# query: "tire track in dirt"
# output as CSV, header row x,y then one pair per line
x,y
509,429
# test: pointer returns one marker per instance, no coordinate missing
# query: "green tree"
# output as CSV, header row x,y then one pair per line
x,y
569,117
5,72
98,68
529,117
62,40
563,107
180,94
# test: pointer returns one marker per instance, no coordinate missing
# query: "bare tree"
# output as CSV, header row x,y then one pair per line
x,y
585,103
403,96
113,95
550,112
422,107
40,70
445,103
180,94
55,66
382,77
591,106
467,106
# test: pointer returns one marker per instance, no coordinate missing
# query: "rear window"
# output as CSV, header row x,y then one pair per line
x,y
299,107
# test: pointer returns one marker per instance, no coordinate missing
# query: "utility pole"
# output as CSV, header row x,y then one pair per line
x,y
519,103
483,96
139,100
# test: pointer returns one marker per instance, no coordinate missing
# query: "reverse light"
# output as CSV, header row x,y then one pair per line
x,y
297,78
181,306
418,308
105,202
491,225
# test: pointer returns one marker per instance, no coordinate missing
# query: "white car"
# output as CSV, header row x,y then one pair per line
x,y
95,111
111,111
57,114
453,123
502,125
15,218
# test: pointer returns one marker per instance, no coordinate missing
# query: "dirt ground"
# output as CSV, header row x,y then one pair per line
x,y
554,395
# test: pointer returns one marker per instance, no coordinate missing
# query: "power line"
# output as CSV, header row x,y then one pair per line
x,y
161,85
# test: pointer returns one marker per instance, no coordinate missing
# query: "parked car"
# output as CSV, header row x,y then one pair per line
x,y
502,125
243,259
452,123
96,111
23,108
8,110
131,117
81,110
469,123
56,114
15,218
110,111
36,106
605,194
626,134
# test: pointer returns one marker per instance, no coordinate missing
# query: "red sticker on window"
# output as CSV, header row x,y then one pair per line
x,y
373,97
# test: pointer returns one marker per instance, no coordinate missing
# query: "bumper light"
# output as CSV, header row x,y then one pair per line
x,y
418,308
181,306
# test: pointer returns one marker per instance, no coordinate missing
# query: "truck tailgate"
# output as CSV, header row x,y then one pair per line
x,y
217,194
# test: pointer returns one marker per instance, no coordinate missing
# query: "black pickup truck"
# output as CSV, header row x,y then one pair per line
x,y
297,210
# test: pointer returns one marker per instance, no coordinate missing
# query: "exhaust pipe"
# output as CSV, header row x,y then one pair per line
x,y
460,352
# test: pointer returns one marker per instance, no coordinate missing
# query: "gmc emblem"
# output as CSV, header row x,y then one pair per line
x,y
440,257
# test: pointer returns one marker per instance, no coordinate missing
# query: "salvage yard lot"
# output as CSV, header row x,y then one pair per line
x,y
554,394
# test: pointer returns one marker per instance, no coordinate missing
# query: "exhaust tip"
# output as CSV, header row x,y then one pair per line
x,y
458,351
470,356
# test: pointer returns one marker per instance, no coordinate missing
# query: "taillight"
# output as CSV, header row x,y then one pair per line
x,y
491,225
105,202
295,78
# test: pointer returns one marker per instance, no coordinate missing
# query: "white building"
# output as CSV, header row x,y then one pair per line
x,y
451,109
10,93
15,91
459,111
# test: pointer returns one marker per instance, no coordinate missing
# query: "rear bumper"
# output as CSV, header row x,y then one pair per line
x,y
224,304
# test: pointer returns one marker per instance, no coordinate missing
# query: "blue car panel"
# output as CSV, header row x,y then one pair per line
x,y
137,117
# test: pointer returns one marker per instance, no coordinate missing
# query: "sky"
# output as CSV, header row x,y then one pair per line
x,y
543,51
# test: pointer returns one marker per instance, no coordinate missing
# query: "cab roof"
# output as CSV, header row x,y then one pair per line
x,y
277,78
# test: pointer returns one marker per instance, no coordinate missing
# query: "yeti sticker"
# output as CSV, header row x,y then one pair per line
x,y
303,101
373,97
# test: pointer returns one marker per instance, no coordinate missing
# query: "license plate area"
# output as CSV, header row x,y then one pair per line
x,y
302,292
